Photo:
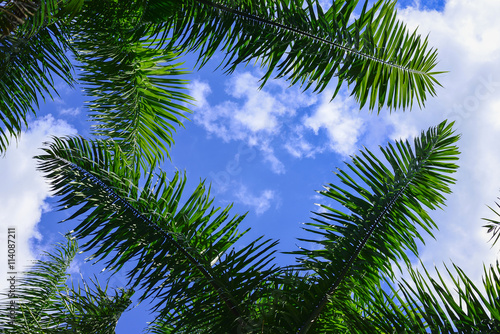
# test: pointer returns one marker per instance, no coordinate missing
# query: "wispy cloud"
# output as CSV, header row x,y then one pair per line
x,y
268,118
249,114
260,203
337,118
70,111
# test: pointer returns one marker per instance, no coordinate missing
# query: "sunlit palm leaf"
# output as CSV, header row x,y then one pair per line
x,y
384,64
135,86
387,207
183,251
37,294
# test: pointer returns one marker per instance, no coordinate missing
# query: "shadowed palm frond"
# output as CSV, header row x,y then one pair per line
x,y
33,15
31,53
371,51
182,255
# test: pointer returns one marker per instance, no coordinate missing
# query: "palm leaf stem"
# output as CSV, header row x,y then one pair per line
x,y
297,31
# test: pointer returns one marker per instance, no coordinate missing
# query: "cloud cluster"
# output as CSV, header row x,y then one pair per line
x,y
276,121
23,191
466,36
278,117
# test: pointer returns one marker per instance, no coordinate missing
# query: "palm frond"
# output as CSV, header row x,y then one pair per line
x,y
387,207
493,225
41,302
136,89
29,58
183,252
31,15
89,309
423,303
374,53
37,306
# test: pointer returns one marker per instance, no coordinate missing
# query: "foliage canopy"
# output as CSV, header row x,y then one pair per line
x,y
184,253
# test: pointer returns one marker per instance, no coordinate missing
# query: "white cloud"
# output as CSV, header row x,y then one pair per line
x,y
251,115
276,165
261,117
336,117
260,203
250,111
199,91
300,147
70,111
466,36
23,190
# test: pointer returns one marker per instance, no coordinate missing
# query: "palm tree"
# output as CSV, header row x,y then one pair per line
x,y
189,264
132,46
199,279
43,303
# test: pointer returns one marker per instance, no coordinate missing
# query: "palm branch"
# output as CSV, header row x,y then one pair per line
x,y
384,64
423,303
135,86
388,212
37,293
43,303
31,54
187,260
90,309
184,257
493,225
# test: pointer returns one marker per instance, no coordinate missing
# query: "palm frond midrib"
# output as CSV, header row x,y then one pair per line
x,y
261,21
232,306
415,166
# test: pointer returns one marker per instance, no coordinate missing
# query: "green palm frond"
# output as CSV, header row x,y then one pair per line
x,y
183,255
387,207
423,303
29,58
44,304
33,15
89,309
37,291
136,87
493,225
14,13
384,64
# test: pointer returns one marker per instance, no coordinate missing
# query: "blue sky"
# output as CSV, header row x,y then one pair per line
x,y
268,150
